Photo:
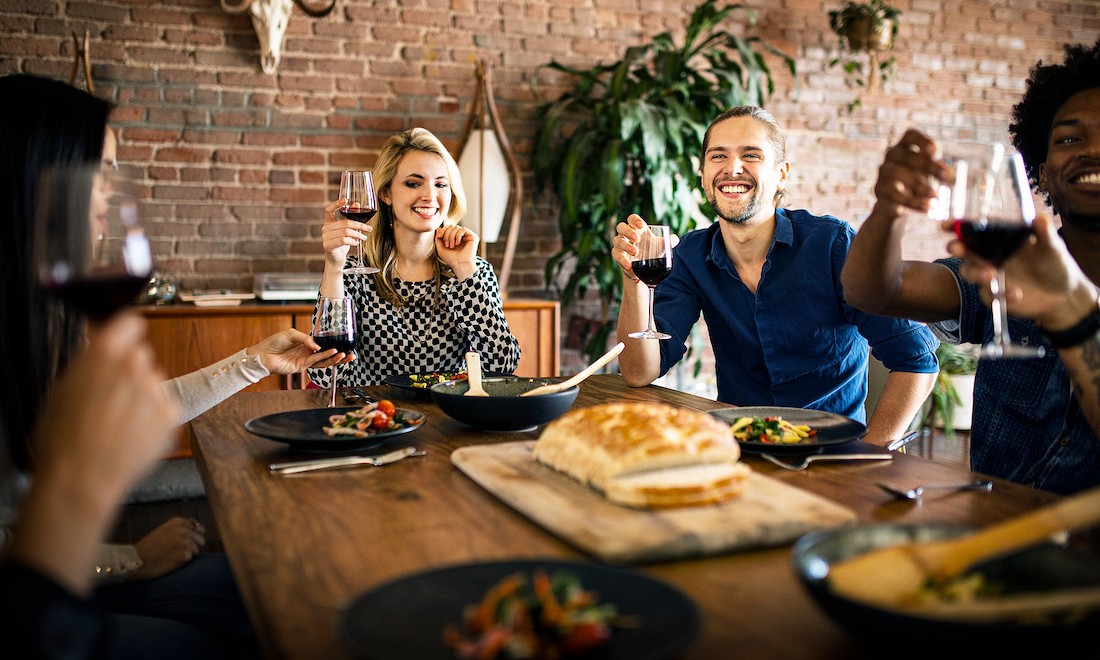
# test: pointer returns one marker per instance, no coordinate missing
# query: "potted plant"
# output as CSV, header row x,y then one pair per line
x,y
865,29
626,138
951,400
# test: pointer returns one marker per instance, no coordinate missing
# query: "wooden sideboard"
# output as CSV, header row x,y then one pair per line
x,y
186,337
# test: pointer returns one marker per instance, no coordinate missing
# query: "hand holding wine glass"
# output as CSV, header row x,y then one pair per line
x,y
357,191
334,326
90,249
651,264
990,205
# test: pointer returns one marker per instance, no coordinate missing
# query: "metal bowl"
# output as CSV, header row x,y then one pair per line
x,y
1040,568
504,409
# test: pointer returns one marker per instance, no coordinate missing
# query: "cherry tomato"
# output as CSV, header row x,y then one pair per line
x,y
386,407
585,636
380,422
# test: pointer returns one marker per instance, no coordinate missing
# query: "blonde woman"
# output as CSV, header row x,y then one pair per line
x,y
433,298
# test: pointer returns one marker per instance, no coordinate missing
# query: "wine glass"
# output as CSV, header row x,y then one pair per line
x,y
357,191
334,327
990,205
651,264
89,247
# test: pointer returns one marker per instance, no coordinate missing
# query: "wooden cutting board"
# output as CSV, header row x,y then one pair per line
x,y
768,513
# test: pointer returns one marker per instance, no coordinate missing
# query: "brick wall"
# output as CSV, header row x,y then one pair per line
x,y
238,163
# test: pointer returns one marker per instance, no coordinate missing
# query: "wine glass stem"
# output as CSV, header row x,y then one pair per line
x,y
652,293
1000,310
332,389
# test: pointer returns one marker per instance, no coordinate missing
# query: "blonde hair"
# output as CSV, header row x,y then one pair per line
x,y
380,248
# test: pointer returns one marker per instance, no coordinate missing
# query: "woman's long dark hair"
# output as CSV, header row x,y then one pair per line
x,y
42,123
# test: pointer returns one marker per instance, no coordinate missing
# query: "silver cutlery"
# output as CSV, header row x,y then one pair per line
x,y
295,467
805,463
895,445
915,494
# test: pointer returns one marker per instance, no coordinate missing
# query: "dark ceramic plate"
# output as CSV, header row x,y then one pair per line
x,y
303,429
1044,567
832,429
405,618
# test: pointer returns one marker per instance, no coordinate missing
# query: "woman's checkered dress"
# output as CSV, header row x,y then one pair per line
x,y
421,337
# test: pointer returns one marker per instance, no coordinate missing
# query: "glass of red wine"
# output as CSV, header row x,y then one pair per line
x,y
357,191
991,209
334,327
651,265
89,246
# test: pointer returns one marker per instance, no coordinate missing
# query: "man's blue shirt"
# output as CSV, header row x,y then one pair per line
x,y
1027,425
796,342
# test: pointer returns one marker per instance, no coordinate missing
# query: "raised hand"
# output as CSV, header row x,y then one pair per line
x,y
338,235
292,351
1044,281
907,178
457,247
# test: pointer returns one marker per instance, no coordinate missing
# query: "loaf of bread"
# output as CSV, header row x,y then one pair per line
x,y
645,454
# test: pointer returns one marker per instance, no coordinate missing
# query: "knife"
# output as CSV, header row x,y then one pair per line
x,y
294,467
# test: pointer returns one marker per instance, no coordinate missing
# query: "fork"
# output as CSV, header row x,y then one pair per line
x,y
916,494
826,457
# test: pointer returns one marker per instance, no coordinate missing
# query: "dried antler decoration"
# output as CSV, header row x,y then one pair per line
x,y
78,55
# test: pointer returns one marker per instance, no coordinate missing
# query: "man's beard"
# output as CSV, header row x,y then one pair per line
x,y
751,209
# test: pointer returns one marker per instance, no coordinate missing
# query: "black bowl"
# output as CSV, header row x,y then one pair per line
x,y
504,409
1040,568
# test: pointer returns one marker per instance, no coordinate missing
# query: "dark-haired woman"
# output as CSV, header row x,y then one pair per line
x,y
166,599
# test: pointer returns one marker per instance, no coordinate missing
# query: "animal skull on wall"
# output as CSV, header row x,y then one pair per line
x,y
269,19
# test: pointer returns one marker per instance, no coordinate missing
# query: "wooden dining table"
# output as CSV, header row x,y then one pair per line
x,y
303,547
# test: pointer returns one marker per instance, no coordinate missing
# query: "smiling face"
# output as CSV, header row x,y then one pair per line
x,y
420,192
1071,173
741,173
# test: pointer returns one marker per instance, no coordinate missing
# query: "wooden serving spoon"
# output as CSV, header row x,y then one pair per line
x,y
473,375
889,576
588,371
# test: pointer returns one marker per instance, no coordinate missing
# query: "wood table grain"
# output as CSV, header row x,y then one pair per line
x,y
301,547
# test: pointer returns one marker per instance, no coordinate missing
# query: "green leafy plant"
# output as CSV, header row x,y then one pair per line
x,y
954,361
627,139
864,30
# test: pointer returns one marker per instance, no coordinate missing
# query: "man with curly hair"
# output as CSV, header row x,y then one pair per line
x,y
1036,421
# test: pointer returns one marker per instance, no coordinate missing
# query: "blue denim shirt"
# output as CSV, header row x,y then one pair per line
x,y
796,343
1027,425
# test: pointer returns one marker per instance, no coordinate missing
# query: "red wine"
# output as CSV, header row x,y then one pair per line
x,y
99,297
652,271
357,214
991,240
343,342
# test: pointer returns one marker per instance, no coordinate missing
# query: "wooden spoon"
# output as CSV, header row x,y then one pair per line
x,y
473,375
588,371
889,576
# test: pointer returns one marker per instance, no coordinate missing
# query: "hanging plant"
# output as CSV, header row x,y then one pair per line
x,y
627,139
865,30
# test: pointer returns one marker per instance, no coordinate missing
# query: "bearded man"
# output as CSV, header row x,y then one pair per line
x,y
767,282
